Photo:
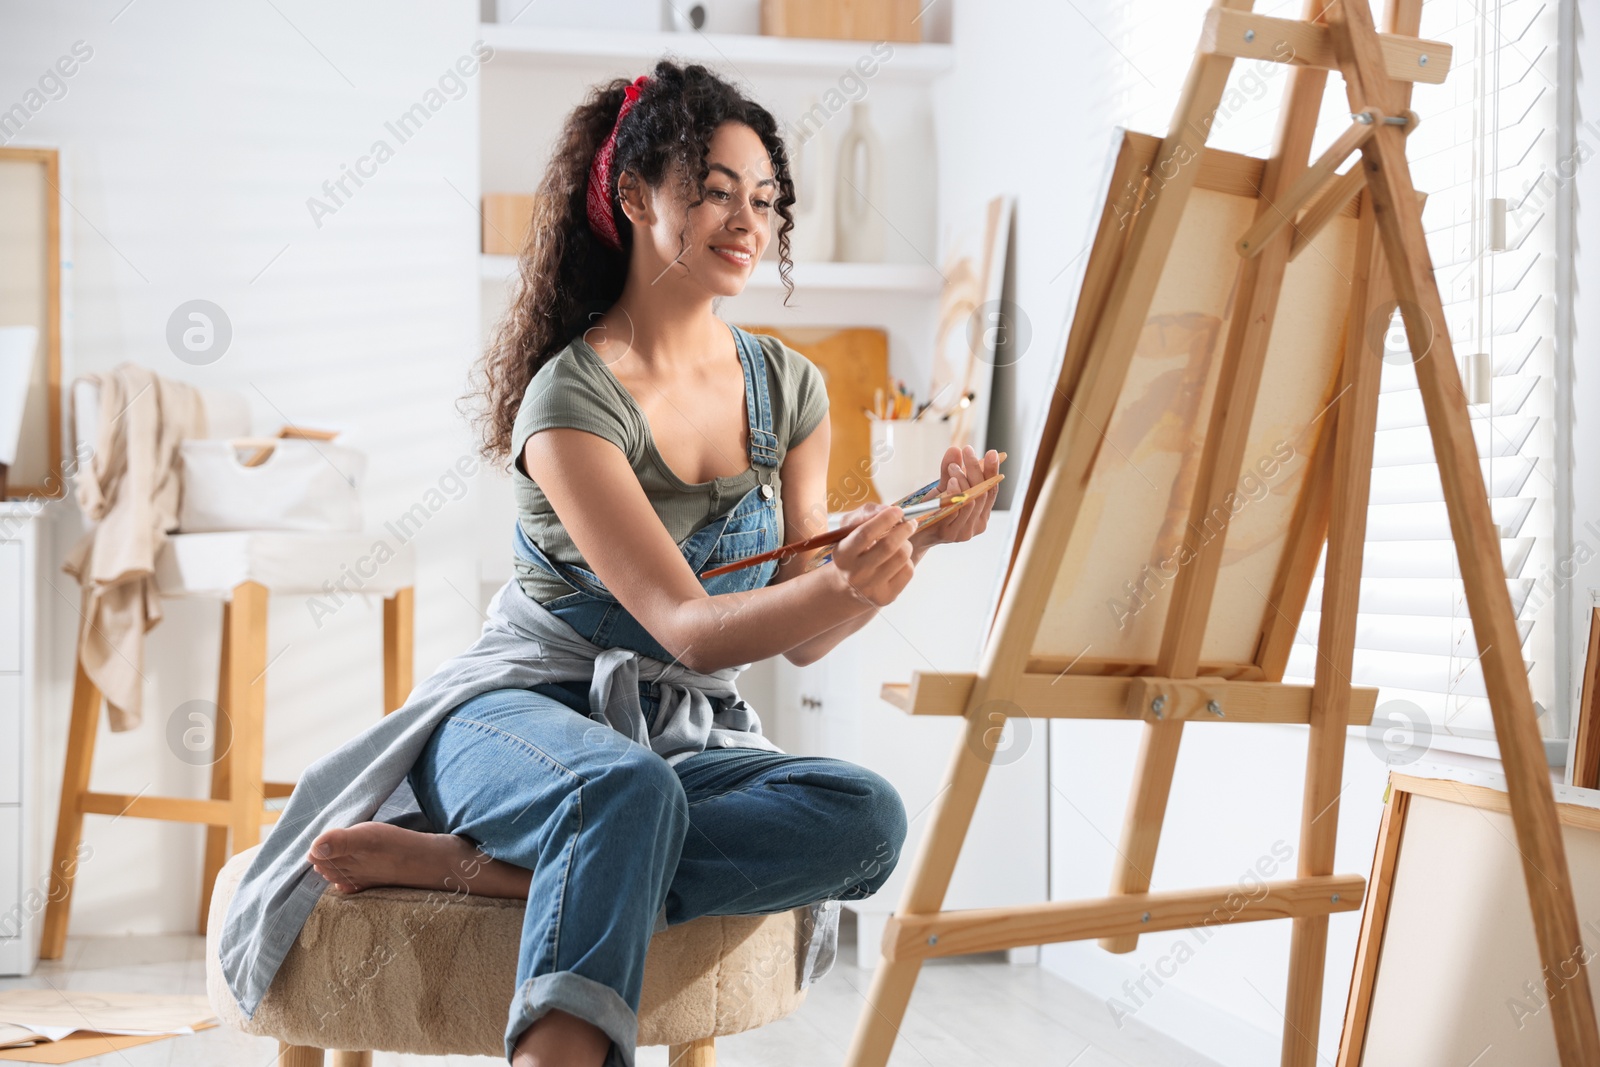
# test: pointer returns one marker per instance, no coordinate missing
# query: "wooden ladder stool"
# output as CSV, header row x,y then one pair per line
x,y
240,568
236,811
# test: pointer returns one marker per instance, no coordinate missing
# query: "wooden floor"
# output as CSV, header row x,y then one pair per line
x,y
966,1011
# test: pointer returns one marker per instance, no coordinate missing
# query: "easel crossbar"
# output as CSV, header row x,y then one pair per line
x,y
1057,696
1244,35
950,933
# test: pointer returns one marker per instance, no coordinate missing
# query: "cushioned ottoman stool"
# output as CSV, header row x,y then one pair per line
x,y
432,973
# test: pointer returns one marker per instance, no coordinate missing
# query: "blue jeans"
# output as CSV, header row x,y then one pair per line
x,y
618,839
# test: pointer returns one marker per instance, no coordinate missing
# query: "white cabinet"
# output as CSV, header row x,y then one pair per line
x,y
833,708
24,886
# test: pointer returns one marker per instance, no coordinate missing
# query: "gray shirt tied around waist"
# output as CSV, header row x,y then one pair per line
x,y
522,645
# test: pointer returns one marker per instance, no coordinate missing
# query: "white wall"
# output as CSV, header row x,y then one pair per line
x,y
192,138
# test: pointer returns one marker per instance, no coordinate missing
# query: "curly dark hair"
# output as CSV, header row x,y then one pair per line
x,y
566,274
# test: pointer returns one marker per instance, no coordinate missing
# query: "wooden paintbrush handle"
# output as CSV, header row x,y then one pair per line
x,y
822,540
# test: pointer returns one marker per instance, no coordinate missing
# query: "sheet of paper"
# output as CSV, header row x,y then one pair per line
x,y
55,1013
12,1036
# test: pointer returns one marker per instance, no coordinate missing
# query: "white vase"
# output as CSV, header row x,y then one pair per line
x,y
810,167
858,193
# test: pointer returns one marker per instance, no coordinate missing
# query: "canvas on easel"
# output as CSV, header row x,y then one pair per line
x,y
1221,334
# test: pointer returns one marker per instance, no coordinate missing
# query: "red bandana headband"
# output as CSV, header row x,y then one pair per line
x,y
599,198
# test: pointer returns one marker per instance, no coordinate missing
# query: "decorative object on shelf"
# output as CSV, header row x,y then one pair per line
x,y
30,295
712,16
853,361
811,168
858,226
505,222
973,323
848,20
625,15
18,348
299,480
906,452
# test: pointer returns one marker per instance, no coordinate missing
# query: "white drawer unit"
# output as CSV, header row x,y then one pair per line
x,y
10,739
11,595
10,876
23,814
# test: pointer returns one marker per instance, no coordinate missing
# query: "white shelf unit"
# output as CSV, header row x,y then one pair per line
x,y
902,278
742,52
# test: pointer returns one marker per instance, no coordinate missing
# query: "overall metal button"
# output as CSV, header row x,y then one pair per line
x,y
766,491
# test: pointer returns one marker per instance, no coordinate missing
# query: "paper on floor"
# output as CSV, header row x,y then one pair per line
x,y
52,1014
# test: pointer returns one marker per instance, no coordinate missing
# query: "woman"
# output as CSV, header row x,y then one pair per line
x,y
649,440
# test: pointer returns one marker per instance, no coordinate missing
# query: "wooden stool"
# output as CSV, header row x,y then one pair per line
x,y
432,973
241,569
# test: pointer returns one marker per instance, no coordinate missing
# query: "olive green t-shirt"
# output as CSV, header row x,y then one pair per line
x,y
576,389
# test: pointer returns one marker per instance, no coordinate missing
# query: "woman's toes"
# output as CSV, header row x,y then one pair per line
x,y
330,844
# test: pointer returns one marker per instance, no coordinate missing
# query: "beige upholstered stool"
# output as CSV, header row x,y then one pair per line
x,y
432,973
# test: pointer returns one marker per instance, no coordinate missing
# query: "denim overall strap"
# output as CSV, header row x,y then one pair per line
x,y
751,526
763,442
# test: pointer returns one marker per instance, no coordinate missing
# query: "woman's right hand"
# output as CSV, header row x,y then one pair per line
x,y
874,562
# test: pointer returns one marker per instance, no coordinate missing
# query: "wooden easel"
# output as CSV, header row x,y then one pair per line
x,y
1390,264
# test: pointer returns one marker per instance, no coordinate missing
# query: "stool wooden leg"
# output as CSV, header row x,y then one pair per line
x,y
298,1056
345,1058
701,1053
221,743
69,817
246,653
397,642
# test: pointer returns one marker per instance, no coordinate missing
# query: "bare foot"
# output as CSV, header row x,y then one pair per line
x,y
560,1038
379,853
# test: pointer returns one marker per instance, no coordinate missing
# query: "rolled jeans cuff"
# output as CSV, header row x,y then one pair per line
x,y
583,997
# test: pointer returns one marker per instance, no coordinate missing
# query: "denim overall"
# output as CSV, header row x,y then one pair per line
x,y
750,527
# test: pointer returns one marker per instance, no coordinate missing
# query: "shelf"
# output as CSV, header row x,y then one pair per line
x,y
913,279
742,54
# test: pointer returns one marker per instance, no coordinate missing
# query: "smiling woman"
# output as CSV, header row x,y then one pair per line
x,y
648,441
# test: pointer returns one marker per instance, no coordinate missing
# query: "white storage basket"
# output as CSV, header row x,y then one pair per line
x,y
303,485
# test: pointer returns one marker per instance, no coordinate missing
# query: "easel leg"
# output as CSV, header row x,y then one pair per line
x,y
1330,697
1147,810
1238,382
893,980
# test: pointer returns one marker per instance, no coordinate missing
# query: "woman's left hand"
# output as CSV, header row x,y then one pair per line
x,y
963,467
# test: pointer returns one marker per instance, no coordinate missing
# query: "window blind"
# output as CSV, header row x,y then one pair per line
x,y
1484,153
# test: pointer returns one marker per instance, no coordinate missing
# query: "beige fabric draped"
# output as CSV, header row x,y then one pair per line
x,y
131,490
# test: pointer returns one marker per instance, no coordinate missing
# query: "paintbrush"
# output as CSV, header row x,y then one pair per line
x,y
945,502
